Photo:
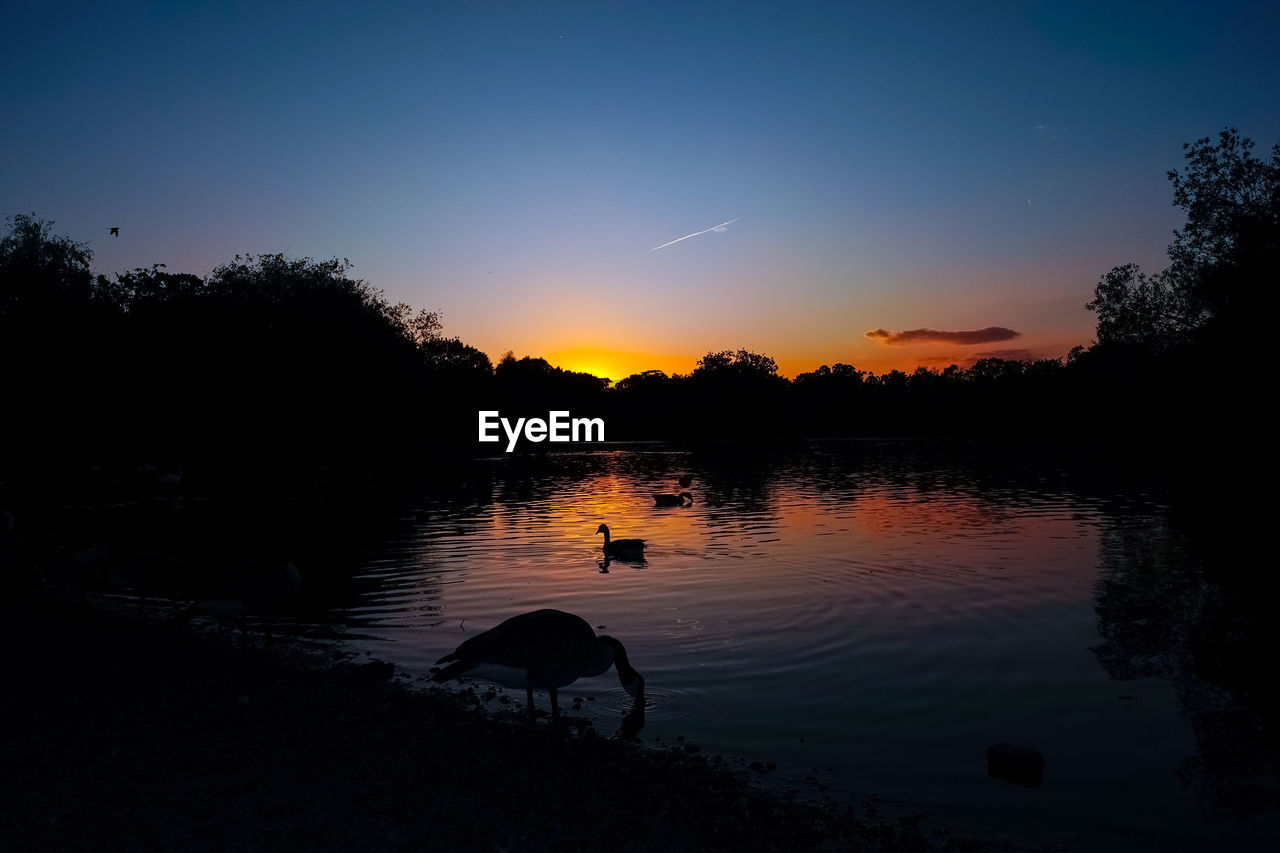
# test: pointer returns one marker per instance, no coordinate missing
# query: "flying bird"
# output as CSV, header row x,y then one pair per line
x,y
717,228
548,649
115,232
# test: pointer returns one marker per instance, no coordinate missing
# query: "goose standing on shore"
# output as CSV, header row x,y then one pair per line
x,y
547,649
622,549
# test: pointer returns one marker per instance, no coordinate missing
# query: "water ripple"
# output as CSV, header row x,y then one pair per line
x,y
893,608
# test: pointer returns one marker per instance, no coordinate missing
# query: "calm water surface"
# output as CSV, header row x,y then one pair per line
x,y
873,616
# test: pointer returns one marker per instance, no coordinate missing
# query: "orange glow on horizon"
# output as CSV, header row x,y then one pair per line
x,y
873,358
614,365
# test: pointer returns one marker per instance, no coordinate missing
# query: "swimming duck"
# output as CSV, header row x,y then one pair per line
x,y
621,548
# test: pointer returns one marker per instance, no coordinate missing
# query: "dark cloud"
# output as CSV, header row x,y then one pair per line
x,y
989,335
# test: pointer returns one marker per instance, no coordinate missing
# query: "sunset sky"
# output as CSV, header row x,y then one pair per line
x,y
945,167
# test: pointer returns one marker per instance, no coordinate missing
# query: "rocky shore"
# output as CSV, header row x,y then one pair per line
x,y
134,732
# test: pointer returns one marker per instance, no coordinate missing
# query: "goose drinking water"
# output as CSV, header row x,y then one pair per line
x,y
547,649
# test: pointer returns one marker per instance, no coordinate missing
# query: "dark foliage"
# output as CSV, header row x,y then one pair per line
x,y
1222,262
1179,353
268,368
56,338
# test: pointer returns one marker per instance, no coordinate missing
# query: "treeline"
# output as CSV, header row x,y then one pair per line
x,y
268,368
1102,393
740,395
279,366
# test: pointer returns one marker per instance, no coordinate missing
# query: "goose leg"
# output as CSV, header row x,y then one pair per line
x,y
555,707
529,691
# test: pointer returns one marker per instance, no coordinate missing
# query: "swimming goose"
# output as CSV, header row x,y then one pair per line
x,y
623,549
673,500
548,649
686,481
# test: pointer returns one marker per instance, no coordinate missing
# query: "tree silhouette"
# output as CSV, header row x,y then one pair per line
x,y
424,327
451,357
57,332
41,274
1137,309
1226,257
1223,261
155,288
646,380
735,367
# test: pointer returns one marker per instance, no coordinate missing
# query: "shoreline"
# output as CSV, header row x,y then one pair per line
x,y
135,732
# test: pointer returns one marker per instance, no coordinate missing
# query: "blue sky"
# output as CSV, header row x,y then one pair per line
x,y
942,166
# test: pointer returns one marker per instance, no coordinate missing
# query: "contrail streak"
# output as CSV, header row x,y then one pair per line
x,y
719,227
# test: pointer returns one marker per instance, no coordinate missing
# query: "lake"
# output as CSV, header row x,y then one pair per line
x,y
868,616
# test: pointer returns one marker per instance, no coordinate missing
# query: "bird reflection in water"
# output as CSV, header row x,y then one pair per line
x,y
607,561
